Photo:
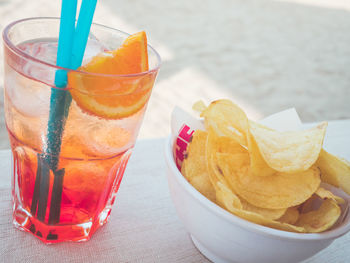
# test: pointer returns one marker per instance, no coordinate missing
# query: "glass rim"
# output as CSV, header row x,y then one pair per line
x,y
19,52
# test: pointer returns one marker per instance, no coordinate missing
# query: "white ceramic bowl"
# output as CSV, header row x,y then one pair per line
x,y
223,237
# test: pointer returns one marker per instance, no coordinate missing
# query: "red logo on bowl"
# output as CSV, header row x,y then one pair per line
x,y
181,142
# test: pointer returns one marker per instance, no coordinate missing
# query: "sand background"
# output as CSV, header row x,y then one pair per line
x,y
265,55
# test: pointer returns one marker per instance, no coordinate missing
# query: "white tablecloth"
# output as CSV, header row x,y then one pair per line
x,y
143,226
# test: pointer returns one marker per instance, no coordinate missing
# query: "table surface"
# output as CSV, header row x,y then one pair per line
x,y
143,226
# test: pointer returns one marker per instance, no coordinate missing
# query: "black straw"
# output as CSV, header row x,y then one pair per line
x,y
44,189
36,187
55,206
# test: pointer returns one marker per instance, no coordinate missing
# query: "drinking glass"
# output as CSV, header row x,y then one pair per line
x,y
66,196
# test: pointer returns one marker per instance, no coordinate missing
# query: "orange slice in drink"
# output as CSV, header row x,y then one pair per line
x,y
111,93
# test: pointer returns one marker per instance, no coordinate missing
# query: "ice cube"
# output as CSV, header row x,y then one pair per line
x,y
97,136
43,50
93,47
31,94
29,97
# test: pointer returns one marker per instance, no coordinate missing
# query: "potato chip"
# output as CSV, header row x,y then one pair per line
x,y
290,216
258,219
274,192
220,144
195,157
265,212
224,197
334,170
289,152
239,160
241,203
194,167
308,205
267,177
215,175
227,119
258,165
322,219
325,194
223,145
199,106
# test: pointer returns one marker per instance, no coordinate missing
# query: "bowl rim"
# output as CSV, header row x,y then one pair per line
x,y
249,226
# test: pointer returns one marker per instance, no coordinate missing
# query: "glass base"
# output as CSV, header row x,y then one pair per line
x,y
50,234
86,203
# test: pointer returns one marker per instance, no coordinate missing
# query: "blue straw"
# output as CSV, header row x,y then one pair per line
x,y
75,58
82,32
71,48
60,99
65,40
59,104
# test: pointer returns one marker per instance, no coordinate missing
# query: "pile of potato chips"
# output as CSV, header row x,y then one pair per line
x,y
267,177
